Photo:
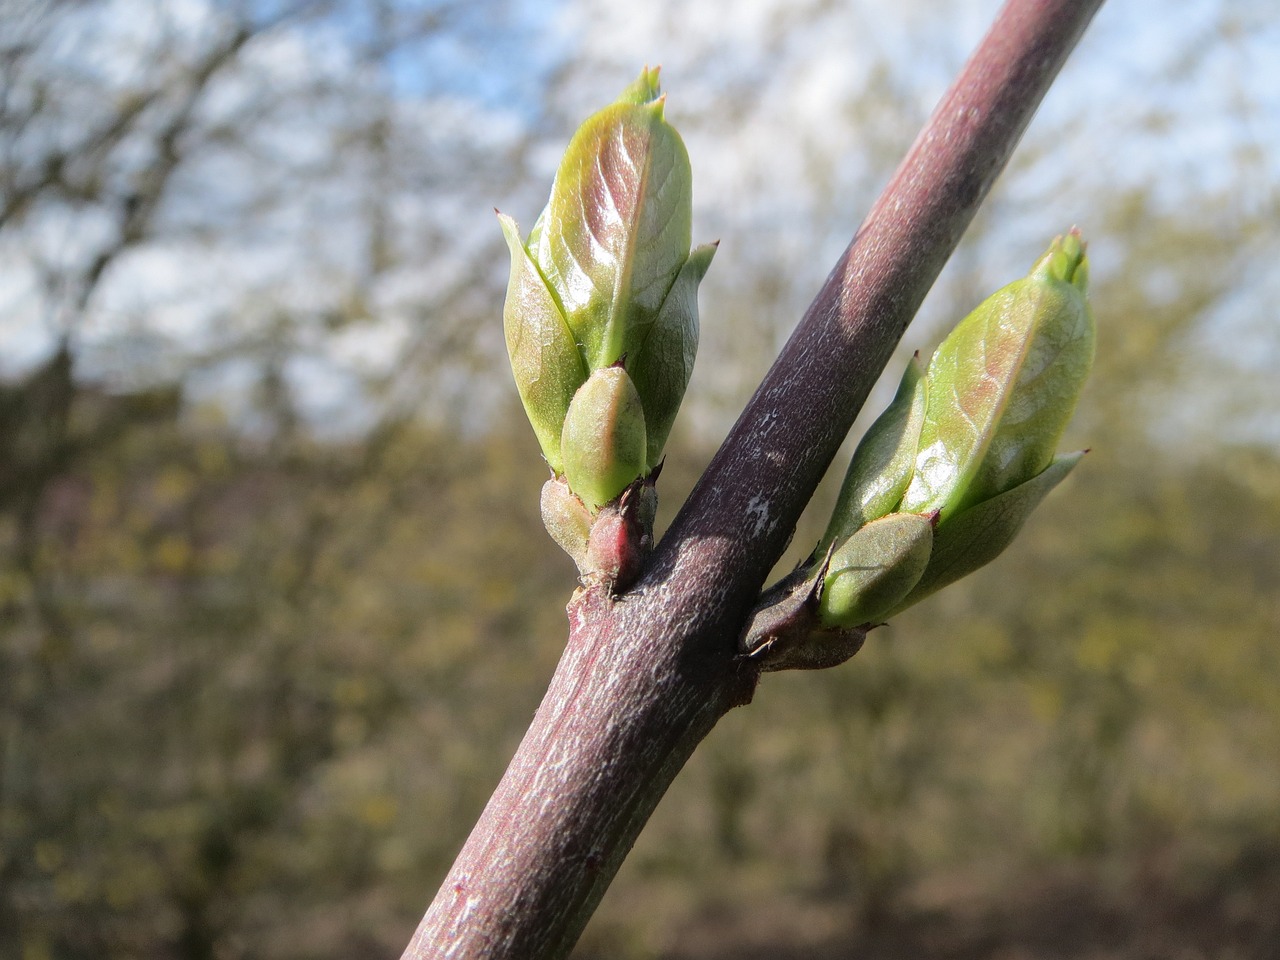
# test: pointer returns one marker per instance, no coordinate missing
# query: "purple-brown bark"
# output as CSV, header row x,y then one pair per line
x,y
646,675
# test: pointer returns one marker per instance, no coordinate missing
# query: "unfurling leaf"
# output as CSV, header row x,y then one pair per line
x,y
1002,386
881,467
976,536
661,361
544,357
617,228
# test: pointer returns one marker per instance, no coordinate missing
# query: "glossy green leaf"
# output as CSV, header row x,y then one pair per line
x,y
1002,385
603,444
881,466
617,229
974,537
545,361
1056,364
873,570
660,355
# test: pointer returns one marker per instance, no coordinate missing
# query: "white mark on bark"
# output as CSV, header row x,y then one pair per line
x,y
460,924
758,513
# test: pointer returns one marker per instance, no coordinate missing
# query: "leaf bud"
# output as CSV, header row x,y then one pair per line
x,y
607,272
603,444
947,475
875,569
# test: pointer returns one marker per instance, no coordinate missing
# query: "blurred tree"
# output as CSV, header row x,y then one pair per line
x,y
175,677
260,661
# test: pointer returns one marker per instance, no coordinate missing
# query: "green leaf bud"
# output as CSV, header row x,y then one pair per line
x,y
603,444
881,466
1002,386
875,569
607,272
976,536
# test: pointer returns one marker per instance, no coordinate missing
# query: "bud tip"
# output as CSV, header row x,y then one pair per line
x,y
645,89
1067,261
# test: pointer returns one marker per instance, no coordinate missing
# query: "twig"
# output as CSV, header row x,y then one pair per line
x,y
645,676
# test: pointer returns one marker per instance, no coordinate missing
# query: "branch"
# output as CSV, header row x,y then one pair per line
x,y
645,676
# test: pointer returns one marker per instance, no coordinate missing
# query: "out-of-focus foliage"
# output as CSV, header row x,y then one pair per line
x,y
1105,693
247,688
275,601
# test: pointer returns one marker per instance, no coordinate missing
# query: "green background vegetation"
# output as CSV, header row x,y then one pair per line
x,y
259,671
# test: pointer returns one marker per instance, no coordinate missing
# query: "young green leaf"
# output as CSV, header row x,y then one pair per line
x,y
1002,385
545,360
617,228
976,536
881,466
1056,364
660,355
